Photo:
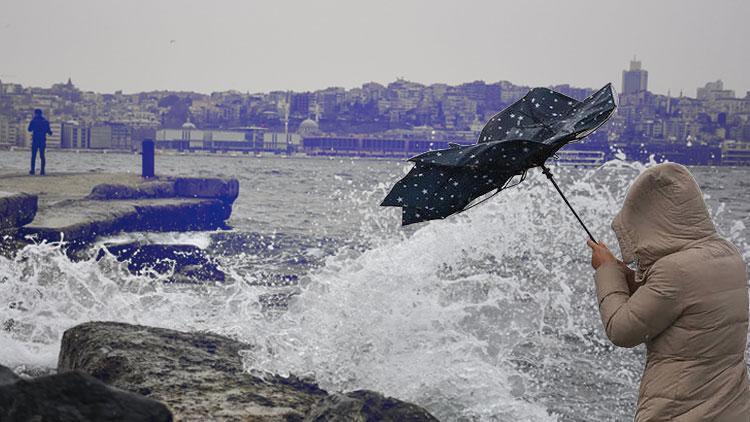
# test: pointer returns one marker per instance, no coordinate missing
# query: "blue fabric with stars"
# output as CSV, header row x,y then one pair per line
x,y
522,136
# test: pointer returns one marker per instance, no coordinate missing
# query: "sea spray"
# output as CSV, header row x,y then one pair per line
x,y
464,316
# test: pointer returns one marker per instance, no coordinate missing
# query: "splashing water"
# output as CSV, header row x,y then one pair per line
x,y
488,315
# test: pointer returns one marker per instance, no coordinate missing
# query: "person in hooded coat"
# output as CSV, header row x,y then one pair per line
x,y
687,301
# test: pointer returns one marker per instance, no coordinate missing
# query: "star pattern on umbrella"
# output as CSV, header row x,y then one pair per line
x,y
543,121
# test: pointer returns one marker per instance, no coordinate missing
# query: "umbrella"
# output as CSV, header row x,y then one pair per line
x,y
523,136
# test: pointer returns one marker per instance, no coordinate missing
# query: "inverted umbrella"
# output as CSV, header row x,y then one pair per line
x,y
522,136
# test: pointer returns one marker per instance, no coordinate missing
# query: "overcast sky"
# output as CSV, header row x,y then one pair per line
x,y
259,46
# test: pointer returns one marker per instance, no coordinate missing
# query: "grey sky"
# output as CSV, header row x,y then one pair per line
x,y
105,45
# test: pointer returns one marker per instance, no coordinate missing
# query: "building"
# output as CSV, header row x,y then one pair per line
x,y
9,132
713,91
54,140
634,80
735,153
74,135
280,141
300,104
190,138
368,146
110,136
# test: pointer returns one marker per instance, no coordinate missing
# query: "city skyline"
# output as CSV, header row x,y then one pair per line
x,y
618,85
263,47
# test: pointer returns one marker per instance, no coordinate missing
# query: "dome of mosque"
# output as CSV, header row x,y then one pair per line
x,y
308,127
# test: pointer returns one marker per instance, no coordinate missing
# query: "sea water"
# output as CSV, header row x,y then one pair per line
x,y
489,315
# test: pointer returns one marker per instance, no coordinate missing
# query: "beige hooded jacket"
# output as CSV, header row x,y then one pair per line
x,y
689,302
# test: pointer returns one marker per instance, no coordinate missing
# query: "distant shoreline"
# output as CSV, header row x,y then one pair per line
x,y
237,154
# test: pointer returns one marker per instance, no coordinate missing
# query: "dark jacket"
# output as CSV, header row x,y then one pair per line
x,y
39,126
690,306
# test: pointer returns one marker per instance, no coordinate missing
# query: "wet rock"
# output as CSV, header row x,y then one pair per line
x,y
159,189
189,262
366,406
226,190
16,209
73,396
82,221
200,376
183,214
7,376
123,203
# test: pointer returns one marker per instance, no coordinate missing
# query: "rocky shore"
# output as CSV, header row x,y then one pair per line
x,y
78,208
114,371
110,371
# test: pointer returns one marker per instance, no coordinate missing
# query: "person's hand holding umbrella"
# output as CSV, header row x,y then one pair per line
x,y
600,254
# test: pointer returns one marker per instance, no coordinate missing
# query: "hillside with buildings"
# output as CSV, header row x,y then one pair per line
x,y
399,119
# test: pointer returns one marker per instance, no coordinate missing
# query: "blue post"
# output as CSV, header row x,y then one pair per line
x,y
147,154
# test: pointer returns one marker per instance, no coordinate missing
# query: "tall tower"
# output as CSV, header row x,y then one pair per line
x,y
634,80
316,108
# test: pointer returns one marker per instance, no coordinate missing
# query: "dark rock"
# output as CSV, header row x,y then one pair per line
x,y
189,262
226,190
17,209
199,375
158,189
74,396
7,376
366,406
207,214
82,221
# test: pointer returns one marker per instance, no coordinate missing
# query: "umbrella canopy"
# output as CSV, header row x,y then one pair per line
x,y
523,136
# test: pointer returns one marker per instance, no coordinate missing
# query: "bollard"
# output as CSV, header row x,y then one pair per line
x,y
147,155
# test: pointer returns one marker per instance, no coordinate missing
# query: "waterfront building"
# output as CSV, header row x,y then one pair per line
x,y
54,140
735,153
9,132
369,146
109,135
635,79
281,141
74,135
579,157
240,139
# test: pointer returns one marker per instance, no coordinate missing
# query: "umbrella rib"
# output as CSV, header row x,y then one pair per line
x,y
505,186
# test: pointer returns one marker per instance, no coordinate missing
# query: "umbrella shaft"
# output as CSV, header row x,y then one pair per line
x,y
547,173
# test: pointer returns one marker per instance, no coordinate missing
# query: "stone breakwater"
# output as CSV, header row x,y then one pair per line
x,y
77,208
160,374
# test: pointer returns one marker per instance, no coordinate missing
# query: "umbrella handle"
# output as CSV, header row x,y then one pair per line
x,y
547,173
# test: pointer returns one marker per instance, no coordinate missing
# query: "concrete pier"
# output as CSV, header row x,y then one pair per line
x,y
78,208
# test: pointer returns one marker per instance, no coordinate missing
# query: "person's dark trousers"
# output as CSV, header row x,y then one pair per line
x,y
37,146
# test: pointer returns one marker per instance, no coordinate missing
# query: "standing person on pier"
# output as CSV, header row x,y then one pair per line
x,y
39,127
